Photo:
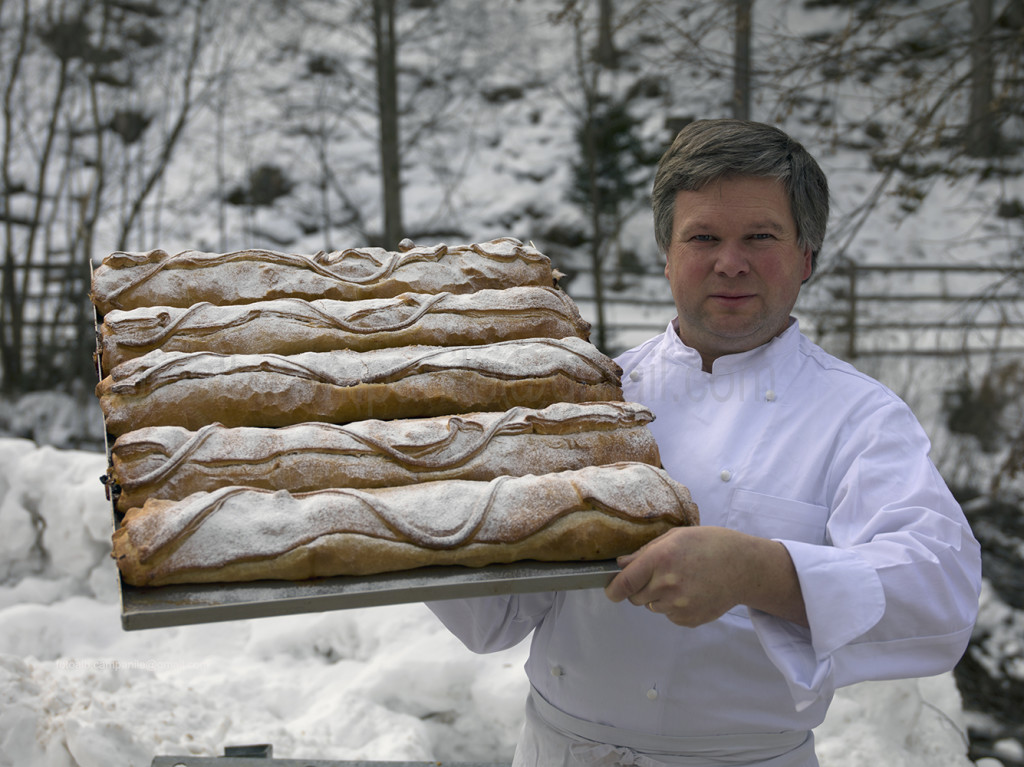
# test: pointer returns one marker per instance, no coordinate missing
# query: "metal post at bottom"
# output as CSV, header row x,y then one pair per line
x,y
262,755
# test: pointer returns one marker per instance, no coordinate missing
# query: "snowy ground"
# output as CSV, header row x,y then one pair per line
x,y
385,683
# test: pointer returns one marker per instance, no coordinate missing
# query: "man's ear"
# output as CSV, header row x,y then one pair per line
x,y
808,264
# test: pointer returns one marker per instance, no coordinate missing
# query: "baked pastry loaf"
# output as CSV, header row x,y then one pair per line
x,y
157,278
242,534
192,390
170,462
294,325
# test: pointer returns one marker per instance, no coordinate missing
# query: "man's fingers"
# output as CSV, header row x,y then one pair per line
x,y
630,580
625,559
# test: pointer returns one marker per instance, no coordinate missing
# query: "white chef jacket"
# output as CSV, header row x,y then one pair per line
x,y
789,443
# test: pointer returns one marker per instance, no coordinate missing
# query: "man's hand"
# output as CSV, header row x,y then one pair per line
x,y
693,575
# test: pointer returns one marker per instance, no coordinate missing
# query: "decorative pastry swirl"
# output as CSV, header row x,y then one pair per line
x,y
457,439
128,280
270,390
401,514
146,329
506,360
293,325
172,462
195,539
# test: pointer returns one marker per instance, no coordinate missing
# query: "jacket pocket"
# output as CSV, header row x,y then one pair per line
x,y
769,516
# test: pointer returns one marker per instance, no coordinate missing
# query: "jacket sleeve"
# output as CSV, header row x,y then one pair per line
x,y
894,593
491,624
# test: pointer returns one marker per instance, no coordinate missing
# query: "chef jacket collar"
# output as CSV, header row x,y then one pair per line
x,y
766,354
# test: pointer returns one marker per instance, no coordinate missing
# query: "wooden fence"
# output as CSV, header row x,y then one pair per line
x,y
855,310
57,336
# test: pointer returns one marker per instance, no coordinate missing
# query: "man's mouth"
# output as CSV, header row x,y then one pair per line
x,y
731,298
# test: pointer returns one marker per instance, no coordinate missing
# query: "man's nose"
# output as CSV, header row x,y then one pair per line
x,y
731,260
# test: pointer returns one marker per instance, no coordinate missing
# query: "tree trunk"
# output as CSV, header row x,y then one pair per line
x,y
10,296
170,142
741,61
16,291
981,128
387,100
606,54
598,242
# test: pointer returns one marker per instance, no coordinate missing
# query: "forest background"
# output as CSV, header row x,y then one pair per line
x,y
308,125
323,124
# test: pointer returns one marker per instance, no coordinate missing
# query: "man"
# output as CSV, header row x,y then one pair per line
x,y
829,552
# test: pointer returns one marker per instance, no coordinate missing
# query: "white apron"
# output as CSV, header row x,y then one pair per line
x,y
552,738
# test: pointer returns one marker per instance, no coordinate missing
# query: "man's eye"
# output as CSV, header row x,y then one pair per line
x,y
763,236
703,237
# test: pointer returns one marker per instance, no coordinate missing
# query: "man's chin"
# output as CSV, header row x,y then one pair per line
x,y
744,332
735,340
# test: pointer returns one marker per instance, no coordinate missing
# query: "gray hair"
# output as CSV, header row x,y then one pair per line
x,y
709,150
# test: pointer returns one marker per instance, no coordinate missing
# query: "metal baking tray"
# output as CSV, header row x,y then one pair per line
x,y
163,606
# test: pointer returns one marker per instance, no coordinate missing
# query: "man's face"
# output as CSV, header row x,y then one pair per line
x,y
734,265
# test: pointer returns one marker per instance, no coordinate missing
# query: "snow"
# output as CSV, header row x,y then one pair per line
x,y
380,683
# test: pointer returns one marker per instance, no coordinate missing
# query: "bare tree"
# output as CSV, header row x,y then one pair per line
x,y
26,250
606,53
11,311
389,77
981,128
386,48
64,99
741,88
612,162
179,121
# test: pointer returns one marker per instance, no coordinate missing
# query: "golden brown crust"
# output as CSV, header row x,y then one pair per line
x,y
157,278
364,411
294,325
192,390
246,534
581,536
171,462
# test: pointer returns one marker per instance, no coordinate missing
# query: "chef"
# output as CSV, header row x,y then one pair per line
x,y
830,550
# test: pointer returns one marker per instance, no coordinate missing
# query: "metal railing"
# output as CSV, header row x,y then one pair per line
x,y
859,310
920,310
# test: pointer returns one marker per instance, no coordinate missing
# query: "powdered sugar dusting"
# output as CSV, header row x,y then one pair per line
x,y
172,462
233,524
532,358
293,325
128,280
428,443
340,298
